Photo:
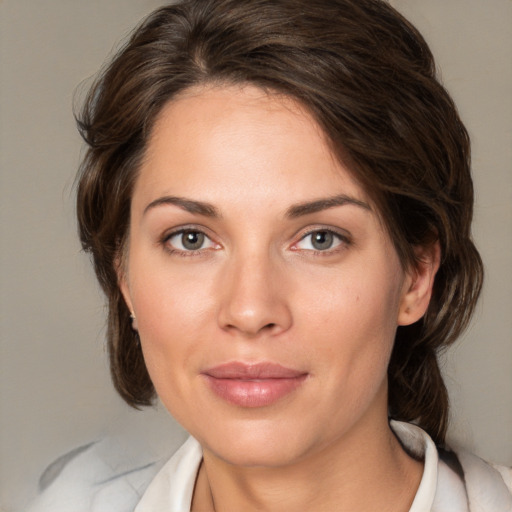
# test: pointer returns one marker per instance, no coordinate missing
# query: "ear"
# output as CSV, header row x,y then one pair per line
x,y
419,283
124,287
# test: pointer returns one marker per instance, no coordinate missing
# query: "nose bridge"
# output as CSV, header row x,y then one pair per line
x,y
254,297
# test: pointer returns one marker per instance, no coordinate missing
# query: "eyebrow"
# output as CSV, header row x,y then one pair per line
x,y
189,205
298,210
318,205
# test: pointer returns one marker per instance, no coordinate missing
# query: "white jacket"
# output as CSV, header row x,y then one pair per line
x,y
87,481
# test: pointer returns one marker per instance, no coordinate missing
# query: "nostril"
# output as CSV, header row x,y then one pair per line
x,y
267,327
253,315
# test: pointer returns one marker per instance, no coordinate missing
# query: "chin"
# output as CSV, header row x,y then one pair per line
x,y
257,443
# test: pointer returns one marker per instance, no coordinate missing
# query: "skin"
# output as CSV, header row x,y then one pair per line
x,y
258,290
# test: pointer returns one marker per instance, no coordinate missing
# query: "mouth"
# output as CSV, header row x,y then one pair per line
x,y
253,385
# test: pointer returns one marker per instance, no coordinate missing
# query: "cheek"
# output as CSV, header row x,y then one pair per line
x,y
355,304
173,312
352,321
167,297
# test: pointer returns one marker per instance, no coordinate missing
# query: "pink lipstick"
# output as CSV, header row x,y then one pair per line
x,y
253,385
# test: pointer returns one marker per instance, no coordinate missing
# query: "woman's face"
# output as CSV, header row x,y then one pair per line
x,y
265,288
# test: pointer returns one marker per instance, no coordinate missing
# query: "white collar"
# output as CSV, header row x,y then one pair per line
x,y
172,488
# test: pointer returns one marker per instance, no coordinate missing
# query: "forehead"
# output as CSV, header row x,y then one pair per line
x,y
241,144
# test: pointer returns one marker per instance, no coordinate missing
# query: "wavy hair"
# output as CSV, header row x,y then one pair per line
x,y
369,79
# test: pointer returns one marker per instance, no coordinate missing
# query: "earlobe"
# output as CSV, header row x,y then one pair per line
x,y
122,282
419,284
133,320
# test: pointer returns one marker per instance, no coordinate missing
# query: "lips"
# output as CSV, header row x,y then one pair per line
x,y
253,385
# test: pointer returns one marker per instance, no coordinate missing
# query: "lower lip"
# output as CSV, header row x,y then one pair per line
x,y
253,393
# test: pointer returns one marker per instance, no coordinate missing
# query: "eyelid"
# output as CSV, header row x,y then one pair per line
x,y
169,234
344,238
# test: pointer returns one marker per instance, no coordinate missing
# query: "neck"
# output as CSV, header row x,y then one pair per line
x,y
366,470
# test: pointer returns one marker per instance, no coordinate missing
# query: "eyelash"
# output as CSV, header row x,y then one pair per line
x,y
180,252
343,239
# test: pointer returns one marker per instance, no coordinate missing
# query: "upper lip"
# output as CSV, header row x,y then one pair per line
x,y
252,371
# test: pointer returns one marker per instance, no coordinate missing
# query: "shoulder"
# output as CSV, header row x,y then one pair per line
x,y
488,486
94,477
467,483
112,473
455,480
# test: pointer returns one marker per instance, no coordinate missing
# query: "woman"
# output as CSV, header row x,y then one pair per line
x,y
277,199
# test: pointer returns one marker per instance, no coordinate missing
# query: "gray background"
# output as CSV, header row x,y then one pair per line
x,y
55,387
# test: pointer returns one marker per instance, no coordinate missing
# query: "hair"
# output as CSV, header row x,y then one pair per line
x,y
368,78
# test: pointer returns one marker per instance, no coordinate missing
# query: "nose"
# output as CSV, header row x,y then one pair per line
x,y
255,298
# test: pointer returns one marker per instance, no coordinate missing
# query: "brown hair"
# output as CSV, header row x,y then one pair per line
x,y
368,78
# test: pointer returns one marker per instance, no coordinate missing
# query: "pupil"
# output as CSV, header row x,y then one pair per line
x,y
322,240
192,240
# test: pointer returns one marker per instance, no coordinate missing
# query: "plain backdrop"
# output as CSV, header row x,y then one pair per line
x,y
55,387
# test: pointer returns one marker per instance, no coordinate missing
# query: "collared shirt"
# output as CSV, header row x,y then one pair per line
x,y
441,488
89,480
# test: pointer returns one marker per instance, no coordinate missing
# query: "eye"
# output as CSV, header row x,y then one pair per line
x,y
189,240
320,240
